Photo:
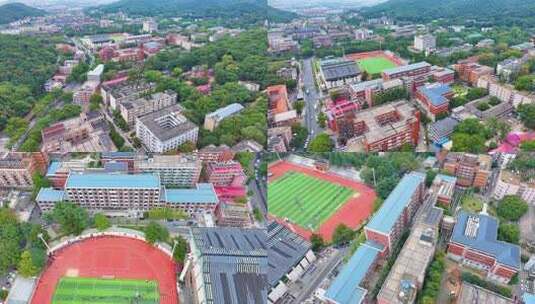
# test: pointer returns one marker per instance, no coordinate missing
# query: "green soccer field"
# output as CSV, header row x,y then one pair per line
x,y
375,65
105,291
305,200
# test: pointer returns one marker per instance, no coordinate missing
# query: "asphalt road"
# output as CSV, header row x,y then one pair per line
x,y
311,99
322,271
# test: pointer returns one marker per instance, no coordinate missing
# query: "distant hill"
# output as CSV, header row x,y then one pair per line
x,y
501,12
14,11
248,9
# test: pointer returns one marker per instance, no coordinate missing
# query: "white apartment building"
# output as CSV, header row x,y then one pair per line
x,y
425,42
510,184
174,170
166,129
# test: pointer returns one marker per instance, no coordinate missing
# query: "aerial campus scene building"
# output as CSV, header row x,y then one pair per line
x,y
267,152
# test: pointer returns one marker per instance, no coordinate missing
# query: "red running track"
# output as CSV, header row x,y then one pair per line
x,y
353,213
121,257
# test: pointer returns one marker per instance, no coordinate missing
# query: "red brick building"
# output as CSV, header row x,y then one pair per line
x,y
434,98
228,173
471,170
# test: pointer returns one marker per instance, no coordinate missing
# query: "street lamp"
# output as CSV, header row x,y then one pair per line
x,y
40,235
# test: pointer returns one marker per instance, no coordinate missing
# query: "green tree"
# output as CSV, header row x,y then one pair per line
x,y
101,222
26,267
527,115
298,107
508,232
429,177
181,249
511,208
317,242
321,143
71,218
342,235
155,232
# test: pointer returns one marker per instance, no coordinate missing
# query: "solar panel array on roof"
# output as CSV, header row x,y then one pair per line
x,y
286,250
234,263
336,69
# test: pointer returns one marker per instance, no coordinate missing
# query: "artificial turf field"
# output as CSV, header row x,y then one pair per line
x,y
375,65
77,290
305,200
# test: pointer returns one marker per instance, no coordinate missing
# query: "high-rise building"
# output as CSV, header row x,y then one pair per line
x,y
175,170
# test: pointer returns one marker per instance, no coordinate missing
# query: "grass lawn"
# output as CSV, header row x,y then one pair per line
x,y
105,291
472,204
375,65
305,200
459,90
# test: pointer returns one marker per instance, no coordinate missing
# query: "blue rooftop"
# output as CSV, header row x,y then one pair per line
x,y
345,289
50,195
405,68
485,239
53,168
450,179
204,193
435,93
103,180
528,298
383,220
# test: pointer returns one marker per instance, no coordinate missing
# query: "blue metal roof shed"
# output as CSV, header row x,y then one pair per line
x,y
345,289
385,218
50,195
204,193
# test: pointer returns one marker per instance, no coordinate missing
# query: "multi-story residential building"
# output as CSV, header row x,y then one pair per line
x,y
115,93
166,129
434,98
389,222
17,169
121,194
471,170
228,266
290,256
509,183
128,158
386,127
213,153
82,95
424,43
279,112
279,139
444,188
228,173
174,170
335,72
150,26
212,120
406,277
86,133
382,232
127,194
471,71
233,215
135,106
505,92
440,130
193,201
367,90
95,74
474,244
411,70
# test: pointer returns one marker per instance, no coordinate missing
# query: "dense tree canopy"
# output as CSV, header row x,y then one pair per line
x,y
511,208
71,218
